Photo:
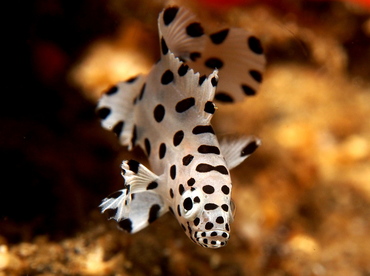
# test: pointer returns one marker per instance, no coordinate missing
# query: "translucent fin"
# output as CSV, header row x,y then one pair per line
x,y
239,58
116,108
181,32
138,177
236,53
138,204
236,150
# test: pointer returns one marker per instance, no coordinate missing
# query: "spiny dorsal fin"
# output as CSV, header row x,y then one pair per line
x,y
186,85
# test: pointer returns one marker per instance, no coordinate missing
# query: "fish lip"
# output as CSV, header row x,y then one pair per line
x,y
212,239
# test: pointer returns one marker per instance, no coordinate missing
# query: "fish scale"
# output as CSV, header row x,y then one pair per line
x,y
168,114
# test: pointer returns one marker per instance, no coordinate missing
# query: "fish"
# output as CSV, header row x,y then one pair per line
x,y
168,114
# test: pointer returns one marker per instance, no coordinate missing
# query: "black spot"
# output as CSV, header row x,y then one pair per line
x,y
169,15
164,46
183,69
227,227
117,129
225,189
202,79
133,165
219,37
205,149
214,81
134,136
153,212
223,234
181,189
185,104
132,79
255,45
135,101
196,199
222,243
103,112
204,234
183,227
214,63
203,129
195,55
111,91
162,151
115,194
204,168
171,193
178,210
256,75
142,91
225,207
213,234
207,168
159,112
208,226
152,185
173,171
171,210
191,181
196,221
223,97
220,220
210,206
189,228
221,169
126,225
111,212
187,159
249,149
205,241
208,189
249,91
147,146
177,138
167,77
188,203
194,30
209,107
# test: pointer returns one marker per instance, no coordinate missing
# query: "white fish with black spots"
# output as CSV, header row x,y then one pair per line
x,y
168,114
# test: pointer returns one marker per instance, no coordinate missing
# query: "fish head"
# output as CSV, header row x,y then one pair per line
x,y
206,212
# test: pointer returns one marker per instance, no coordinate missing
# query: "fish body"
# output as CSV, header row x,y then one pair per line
x,y
168,114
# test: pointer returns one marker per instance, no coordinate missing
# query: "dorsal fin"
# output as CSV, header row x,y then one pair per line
x,y
187,85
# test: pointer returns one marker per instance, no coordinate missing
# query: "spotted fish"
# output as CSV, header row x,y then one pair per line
x,y
168,113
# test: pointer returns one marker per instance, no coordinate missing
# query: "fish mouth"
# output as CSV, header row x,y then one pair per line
x,y
212,239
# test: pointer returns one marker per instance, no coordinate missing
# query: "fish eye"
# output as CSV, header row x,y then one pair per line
x,y
191,203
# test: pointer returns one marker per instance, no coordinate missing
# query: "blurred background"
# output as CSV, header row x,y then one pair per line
x,y
303,199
